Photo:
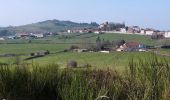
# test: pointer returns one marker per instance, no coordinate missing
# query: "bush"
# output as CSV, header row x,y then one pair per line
x,y
73,47
47,52
32,54
72,64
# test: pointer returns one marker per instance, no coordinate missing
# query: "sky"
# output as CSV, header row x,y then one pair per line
x,y
144,13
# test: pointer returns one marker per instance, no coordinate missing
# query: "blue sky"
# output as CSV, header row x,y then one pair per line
x,y
145,13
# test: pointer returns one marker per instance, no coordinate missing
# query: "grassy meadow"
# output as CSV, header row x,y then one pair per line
x,y
113,76
114,60
58,43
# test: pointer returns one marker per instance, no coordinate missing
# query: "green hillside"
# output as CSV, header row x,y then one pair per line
x,y
47,26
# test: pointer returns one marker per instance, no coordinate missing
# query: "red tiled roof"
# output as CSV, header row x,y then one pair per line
x,y
132,45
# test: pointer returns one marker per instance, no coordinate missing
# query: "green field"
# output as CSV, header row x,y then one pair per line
x,y
58,43
32,47
100,60
91,38
108,76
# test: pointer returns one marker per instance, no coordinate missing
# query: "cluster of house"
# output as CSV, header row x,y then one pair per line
x,y
147,31
107,27
118,46
125,47
131,46
84,30
25,35
121,28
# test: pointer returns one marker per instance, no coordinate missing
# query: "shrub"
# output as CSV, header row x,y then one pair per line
x,y
47,52
72,64
73,47
32,54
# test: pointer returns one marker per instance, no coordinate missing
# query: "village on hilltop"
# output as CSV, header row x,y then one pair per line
x,y
104,28
107,27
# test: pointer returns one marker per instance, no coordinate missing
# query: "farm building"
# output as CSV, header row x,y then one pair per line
x,y
131,46
22,35
11,37
1,39
149,31
40,53
142,31
104,51
130,30
167,34
80,50
37,35
123,30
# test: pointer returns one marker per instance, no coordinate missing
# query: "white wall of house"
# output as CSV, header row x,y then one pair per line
x,y
1,39
39,35
97,32
81,31
105,51
123,30
149,32
167,35
11,37
142,31
68,31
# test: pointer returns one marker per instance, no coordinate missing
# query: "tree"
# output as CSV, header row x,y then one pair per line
x,y
120,42
5,32
157,36
98,43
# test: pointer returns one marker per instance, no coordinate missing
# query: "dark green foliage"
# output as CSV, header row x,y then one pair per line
x,y
5,32
72,64
98,43
120,42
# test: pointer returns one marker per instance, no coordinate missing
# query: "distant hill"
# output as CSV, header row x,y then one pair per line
x,y
46,26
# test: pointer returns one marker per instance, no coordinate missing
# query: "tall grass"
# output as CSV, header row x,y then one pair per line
x,y
144,79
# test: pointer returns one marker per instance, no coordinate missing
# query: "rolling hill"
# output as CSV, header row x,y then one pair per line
x,y
46,26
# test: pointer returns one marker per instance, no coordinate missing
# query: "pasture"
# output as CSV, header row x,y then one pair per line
x,y
59,43
112,76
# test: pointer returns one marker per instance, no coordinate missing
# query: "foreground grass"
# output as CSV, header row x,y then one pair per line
x,y
147,79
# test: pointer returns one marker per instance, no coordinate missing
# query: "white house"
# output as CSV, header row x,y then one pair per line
x,y
104,51
149,32
167,34
136,29
11,37
2,39
20,35
142,31
123,30
97,32
40,35
69,31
